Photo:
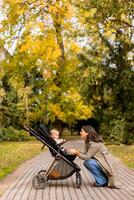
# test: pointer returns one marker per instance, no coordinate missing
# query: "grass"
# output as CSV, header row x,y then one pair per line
x,y
12,154
124,152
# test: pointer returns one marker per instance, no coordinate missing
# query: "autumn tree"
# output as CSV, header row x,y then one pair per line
x,y
43,67
69,60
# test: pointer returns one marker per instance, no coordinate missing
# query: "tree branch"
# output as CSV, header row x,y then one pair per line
x,y
123,22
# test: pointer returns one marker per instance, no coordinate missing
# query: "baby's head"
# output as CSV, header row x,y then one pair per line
x,y
54,133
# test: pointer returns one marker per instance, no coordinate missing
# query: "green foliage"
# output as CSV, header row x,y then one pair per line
x,y
112,130
107,66
12,134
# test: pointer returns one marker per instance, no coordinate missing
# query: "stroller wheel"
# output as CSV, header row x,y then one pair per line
x,y
39,181
42,172
78,180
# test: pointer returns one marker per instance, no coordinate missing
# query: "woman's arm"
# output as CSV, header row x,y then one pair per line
x,y
91,150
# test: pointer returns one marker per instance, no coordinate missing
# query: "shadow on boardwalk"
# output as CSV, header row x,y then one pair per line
x,y
18,186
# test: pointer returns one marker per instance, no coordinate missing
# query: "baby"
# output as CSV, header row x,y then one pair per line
x,y
54,133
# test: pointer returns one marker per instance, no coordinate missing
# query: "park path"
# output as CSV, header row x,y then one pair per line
x,y
19,186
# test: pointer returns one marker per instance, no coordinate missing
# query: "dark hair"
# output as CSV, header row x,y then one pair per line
x,y
92,134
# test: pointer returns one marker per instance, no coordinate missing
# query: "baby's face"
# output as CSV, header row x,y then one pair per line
x,y
55,135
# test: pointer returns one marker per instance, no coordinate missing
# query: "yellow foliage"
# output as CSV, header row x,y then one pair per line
x,y
71,65
24,91
2,92
87,111
1,71
74,103
54,88
67,25
21,10
41,26
73,95
56,111
16,82
109,32
27,45
16,1
49,53
123,16
85,73
53,9
33,46
90,13
24,48
42,4
69,11
83,111
36,48
61,10
56,54
75,47
47,74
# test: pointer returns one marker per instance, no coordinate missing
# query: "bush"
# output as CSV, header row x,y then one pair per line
x,y
12,134
113,131
66,132
128,136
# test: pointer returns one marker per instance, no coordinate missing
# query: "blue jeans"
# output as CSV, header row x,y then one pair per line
x,y
97,172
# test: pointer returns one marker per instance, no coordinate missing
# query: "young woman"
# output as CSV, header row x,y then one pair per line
x,y
97,159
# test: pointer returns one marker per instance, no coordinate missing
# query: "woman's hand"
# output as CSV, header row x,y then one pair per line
x,y
72,151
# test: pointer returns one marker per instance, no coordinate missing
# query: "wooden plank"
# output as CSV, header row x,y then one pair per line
x,y
59,191
32,194
128,177
87,181
39,195
127,169
79,191
71,189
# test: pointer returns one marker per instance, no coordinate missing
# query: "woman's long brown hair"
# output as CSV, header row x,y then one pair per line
x,y
92,134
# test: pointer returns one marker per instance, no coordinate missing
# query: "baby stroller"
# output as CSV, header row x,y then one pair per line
x,y
61,168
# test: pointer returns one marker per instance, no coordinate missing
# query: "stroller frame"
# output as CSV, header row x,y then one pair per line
x,y
61,159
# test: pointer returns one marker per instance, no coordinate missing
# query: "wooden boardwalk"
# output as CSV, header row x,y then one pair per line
x,y
21,187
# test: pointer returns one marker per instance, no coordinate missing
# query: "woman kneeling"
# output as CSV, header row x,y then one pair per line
x,y
97,159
